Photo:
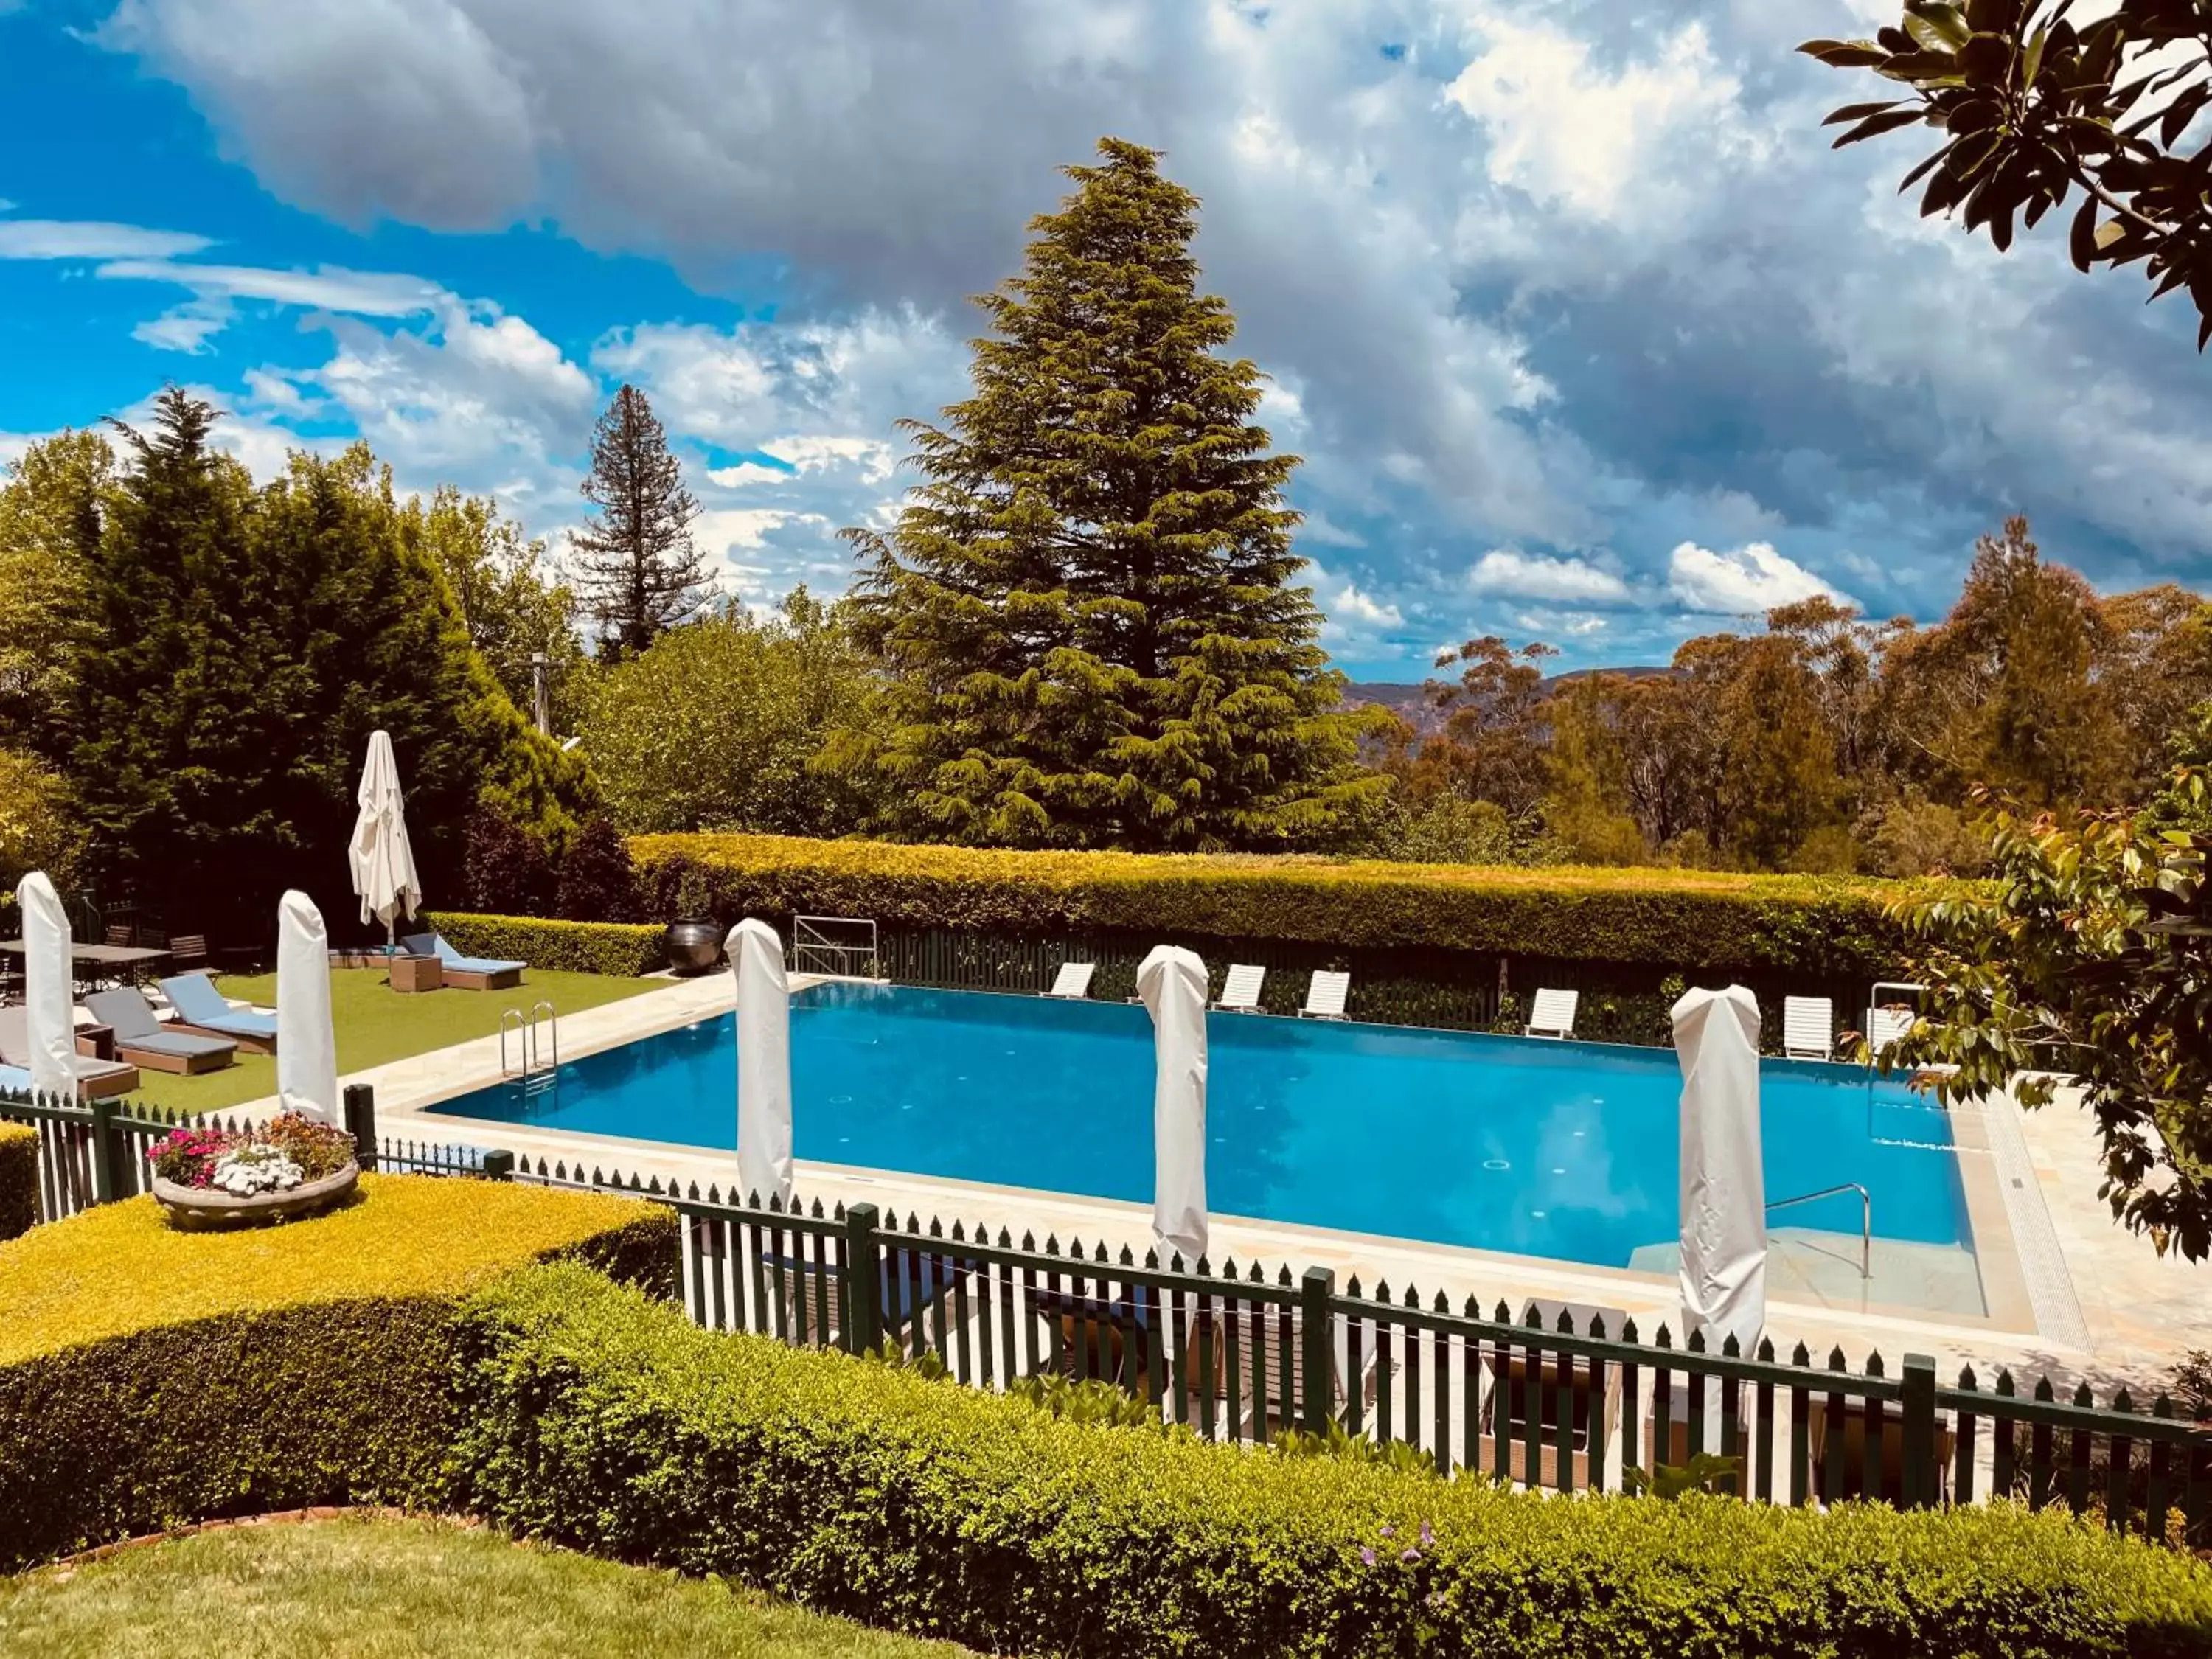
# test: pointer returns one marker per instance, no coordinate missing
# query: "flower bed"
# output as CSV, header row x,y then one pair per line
x,y
288,1151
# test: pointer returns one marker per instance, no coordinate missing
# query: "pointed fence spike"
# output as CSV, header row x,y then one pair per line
x,y
1153,1259
1532,1319
1801,1355
1028,1242
1283,1275
1006,1239
1412,1299
936,1230
1204,1268
1051,1244
1566,1323
2122,1401
1175,1262
1351,1285
2082,1397
1766,1349
1967,1376
2043,1389
2005,1384
1257,1276
1228,1268
1505,1315
1597,1326
1098,1254
1471,1309
2163,1407
1698,1341
1731,1348
1443,1304
959,1236
1664,1338
817,1209
1382,1289
1835,1359
1628,1330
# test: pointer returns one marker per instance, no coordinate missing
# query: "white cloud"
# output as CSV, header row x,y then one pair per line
x,y
187,327
1537,576
359,292
750,472
62,238
1752,578
1569,132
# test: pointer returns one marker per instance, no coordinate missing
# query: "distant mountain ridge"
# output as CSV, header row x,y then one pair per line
x,y
1411,704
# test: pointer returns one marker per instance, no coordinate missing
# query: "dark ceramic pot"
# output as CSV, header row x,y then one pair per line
x,y
695,944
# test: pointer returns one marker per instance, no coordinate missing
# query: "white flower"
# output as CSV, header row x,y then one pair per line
x,y
247,1171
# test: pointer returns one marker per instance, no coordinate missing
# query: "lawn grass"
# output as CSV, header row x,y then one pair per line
x,y
370,1589
376,1024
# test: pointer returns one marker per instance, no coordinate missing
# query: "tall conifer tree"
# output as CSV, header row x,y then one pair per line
x,y
637,571
1087,609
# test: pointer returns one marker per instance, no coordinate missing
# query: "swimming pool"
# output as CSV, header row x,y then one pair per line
x,y
1550,1149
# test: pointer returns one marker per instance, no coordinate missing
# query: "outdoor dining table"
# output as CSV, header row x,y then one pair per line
x,y
118,959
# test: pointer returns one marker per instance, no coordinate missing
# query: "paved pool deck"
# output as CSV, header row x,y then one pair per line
x,y
2067,1292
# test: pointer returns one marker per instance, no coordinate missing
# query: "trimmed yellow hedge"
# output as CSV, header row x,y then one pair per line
x,y
624,949
597,1420
1683,918
150,1376
19,1179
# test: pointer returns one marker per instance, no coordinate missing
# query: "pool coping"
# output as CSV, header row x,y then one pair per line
x,y
410,1090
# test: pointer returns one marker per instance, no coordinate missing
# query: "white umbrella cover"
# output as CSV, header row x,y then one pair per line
x,y
763,1061
49,992
383,863
307,1046
1723,1266
1171,981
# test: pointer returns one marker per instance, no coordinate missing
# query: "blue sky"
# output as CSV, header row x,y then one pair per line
x,y
1584,332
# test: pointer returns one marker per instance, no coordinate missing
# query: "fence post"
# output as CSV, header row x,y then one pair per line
x,y
103,1151
859,1280
1919,1448
361,1123
498,1164
1316,1380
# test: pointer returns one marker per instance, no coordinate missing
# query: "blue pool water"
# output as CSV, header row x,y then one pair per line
x,y
1550,1149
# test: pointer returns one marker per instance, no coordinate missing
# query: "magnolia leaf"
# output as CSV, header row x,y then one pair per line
x,y
1936,26
1857,112
1873,125
2032,60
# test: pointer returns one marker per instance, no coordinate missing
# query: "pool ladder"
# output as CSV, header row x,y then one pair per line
x,y
536,1067
1865,1218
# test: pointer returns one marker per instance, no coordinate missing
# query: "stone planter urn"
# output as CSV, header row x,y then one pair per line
x,y
205,1206
695,944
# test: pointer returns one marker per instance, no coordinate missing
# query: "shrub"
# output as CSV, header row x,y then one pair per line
x,y
623,949
150,1376
1675,917
19,1179
596,1419
597,882
506,869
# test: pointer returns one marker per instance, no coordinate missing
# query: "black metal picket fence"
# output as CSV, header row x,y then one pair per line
x,y
1558,1396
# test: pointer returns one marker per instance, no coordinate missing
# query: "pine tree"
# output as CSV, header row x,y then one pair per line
x,y
249,642
1086,610
637,571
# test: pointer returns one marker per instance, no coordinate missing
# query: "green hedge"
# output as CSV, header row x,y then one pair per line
x,y
594,1419
121,1419
624,949
1811,925
19,1179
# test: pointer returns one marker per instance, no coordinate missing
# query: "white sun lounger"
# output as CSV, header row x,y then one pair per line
x,y
1554,1016
1809,1028
1240,992
1074,981
1325,995
1885,1025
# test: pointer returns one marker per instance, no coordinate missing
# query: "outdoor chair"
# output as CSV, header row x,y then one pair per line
x,y
202,1011
1885,1026
1554,1016
465,973
1240,992
1325,995
145,1042
96,1078
914,1285
1517,1388
1073,982
188,950
1809,1028
122,933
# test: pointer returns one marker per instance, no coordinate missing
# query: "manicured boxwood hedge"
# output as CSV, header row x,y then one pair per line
x,y
19,1179
625,949
1814,925
150,1376
595,1419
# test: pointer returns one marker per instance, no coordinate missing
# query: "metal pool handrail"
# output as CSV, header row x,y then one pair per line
x,y
1865,1218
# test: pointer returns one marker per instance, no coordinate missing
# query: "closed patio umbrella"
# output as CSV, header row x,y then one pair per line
x,y
763,1061
306,1046
1723,1175
1171,981
383,863
49,992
